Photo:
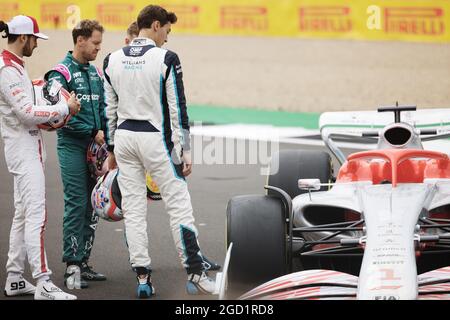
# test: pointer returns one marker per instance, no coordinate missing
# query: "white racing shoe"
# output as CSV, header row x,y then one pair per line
x,y
18,286
200,284
46,290
72,277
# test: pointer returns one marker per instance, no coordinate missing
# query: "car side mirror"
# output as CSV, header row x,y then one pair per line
x,y
309,184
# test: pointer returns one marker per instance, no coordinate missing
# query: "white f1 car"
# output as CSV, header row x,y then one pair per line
x,y
379,230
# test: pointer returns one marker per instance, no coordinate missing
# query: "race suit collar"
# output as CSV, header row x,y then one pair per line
x,y
142,41
82,66
12,56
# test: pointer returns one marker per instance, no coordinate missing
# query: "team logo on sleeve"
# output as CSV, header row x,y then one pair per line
x,y
64,71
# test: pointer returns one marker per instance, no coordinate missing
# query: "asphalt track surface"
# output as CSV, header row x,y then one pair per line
x,y
210,185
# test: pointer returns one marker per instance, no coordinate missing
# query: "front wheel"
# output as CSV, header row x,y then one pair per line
x,y
256,227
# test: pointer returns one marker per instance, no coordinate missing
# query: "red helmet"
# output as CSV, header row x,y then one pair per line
x,y
96,159
56,94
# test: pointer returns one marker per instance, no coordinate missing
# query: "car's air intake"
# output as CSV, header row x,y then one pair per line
x,y
398,136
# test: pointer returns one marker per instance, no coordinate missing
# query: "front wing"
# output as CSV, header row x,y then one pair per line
x,y
331,285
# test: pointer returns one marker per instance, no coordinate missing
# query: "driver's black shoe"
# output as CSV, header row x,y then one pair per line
x,y
209,265
90,275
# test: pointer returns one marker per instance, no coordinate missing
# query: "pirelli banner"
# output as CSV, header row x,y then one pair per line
x,y
410,20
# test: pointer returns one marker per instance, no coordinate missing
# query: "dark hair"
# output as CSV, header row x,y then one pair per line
x,y
133,29
85,28
153,13
11,37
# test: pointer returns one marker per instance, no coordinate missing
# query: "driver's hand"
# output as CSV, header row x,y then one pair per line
x,y
187,163
112,164
73,104
99,138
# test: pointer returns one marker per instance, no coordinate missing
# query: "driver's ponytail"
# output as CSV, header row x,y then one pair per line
x,y
4,28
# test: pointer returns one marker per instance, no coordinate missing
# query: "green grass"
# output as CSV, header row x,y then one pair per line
x,y
224,115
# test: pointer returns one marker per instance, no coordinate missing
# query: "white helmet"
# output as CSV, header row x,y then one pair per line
x,y
54,95
106,198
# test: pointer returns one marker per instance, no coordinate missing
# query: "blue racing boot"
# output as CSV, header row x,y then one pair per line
x,y
145,288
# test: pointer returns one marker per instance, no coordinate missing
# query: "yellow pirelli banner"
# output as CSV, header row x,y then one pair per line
x,y
410,20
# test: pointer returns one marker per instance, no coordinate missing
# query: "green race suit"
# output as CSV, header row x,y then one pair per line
x,y
79,222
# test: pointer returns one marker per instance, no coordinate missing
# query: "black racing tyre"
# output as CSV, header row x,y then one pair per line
x,y
256,227
298,164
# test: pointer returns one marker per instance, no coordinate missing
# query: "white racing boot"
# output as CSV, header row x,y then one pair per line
x,y
200,284
46,290
72,277
18,286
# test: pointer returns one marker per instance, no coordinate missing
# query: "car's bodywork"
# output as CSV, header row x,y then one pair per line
x,y
389,207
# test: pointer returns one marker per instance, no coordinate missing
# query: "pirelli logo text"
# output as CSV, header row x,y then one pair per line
x,y
115,13
54,13
325,19
414,21
9,10
250,18
188,16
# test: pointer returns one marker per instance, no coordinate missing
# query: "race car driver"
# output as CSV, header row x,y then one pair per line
x,y
148,130
25,156
79,223
132,33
